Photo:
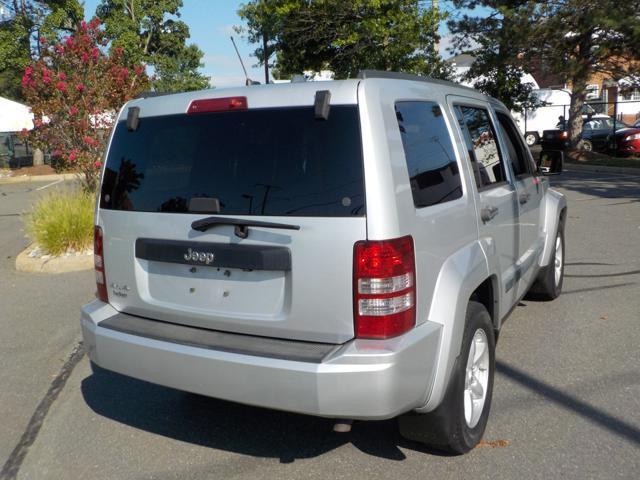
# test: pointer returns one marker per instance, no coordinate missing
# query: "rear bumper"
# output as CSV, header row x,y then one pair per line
x,y
362,379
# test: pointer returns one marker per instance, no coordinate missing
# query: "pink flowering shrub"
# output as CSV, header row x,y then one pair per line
x,y
75,92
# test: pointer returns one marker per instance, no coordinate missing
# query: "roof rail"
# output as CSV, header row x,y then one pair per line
x,y
364,74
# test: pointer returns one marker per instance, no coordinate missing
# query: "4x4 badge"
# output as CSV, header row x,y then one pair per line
x,y
205,257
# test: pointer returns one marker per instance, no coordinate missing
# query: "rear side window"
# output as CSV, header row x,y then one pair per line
x,y
431,162
279,161
480,138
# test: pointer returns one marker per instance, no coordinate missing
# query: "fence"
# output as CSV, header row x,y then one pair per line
x,y
534,122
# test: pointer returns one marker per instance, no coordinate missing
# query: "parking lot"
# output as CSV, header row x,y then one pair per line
x,y
566,400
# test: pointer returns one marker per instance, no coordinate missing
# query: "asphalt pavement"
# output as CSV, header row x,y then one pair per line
x,y
566,400
38,318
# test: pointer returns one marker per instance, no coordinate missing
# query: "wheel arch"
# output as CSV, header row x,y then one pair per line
x,y
464,274
555,213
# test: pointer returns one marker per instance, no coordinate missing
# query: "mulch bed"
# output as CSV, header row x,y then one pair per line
x,y
33,171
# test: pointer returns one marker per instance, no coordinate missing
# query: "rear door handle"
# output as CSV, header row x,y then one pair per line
x,y
524,198
487,213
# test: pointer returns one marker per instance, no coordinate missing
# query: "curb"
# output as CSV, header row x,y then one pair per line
x,y
39,178
601,168
72,263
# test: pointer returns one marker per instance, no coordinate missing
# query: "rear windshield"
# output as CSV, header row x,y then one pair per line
x,y
256,162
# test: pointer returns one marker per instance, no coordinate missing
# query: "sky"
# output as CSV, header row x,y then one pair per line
x,y
211,24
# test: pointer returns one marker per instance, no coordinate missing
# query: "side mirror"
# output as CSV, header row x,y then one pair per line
x,y
551,162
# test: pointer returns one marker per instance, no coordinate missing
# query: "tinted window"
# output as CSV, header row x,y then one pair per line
x,y
255,162
481,143
429,153
517,155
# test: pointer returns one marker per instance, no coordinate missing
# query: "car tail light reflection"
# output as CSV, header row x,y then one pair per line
x,y
384,288
98,261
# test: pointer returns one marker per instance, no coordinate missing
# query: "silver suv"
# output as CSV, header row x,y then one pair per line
x,y
346,249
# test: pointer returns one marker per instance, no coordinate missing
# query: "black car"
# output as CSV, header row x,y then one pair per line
x,y
596,135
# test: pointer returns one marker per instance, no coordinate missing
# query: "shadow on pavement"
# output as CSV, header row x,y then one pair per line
x,y
594,275
272,434
595,289
233,427
601,418
614,186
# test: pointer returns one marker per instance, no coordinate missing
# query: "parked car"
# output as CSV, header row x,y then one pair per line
x,y
627,141
555,103
14,151
347,249
596,135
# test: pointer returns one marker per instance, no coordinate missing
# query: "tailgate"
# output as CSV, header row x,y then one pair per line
x,y
294,285
264,165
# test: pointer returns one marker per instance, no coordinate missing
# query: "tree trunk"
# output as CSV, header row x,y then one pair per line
x,y
266,58
578,87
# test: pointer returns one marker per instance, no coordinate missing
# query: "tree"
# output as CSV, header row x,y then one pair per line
x,y
27,21
580,38
573,39
75,91
346,36
263,19
148,32
496,42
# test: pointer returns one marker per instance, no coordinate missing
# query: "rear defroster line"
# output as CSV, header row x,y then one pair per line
x,y
12,466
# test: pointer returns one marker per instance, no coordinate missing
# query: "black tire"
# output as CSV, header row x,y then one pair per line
x,y
446,428
546,287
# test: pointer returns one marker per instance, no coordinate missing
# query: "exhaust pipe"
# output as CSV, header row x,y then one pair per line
x,y
342,426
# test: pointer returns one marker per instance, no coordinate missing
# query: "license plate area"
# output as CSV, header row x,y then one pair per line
x,y
213,290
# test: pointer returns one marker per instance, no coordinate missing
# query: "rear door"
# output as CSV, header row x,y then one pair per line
x,y
497,208
529,192
278,165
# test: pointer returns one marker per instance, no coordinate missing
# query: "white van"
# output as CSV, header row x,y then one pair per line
x,y
557,103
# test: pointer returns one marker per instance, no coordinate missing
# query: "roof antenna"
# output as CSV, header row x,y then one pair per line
x,y
248,81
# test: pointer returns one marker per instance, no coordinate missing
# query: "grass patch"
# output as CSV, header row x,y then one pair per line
x,y
581,157
61,221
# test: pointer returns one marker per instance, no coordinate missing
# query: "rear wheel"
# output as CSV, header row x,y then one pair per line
x,y
585,145
458,423
531,138
548,285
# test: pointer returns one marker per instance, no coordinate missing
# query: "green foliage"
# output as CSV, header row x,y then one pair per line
x,y
15,55
19,35
179,73
62,220
497,41
346,36
62,16
573,39
149,32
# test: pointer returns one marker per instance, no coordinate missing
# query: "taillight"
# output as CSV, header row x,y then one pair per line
x,y
98,261
564,135
217,105
384,287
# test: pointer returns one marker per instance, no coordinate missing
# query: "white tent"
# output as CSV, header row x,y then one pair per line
x,y
14,116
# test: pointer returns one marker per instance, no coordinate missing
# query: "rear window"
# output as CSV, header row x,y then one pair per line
x,y
428,150
278,161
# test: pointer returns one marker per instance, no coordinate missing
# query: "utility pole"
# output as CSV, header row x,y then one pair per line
x,y
435,7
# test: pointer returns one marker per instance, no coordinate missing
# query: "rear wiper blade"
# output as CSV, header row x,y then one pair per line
x,y
241,225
